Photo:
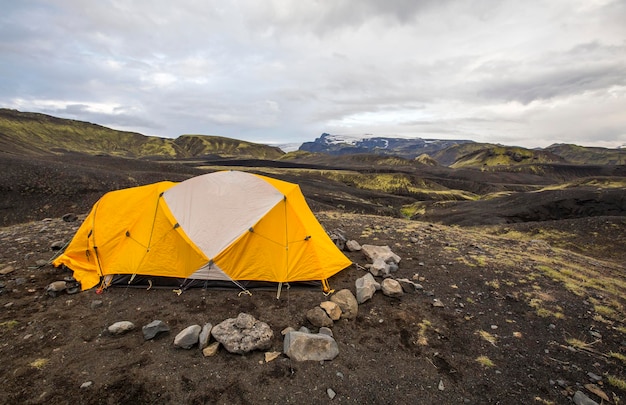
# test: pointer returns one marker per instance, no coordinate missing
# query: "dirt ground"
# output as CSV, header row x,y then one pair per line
x,y
532,314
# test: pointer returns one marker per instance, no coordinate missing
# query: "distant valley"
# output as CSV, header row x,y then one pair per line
x,y
50,166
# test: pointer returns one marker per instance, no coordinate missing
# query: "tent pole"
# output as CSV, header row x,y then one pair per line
x,y
280,287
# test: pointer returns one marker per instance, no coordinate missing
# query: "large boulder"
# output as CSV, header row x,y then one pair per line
x,y
366,286
302,346
243,334
347,302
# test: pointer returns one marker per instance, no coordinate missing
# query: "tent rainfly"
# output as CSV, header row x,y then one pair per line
x,y
222,226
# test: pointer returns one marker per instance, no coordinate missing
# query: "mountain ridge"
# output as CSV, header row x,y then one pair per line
x,y
36,134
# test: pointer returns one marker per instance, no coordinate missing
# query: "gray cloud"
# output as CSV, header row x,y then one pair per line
x,y
530,73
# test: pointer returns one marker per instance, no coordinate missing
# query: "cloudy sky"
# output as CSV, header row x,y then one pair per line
x,y
527,73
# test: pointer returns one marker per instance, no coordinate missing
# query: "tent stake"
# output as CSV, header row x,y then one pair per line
x,y
280,287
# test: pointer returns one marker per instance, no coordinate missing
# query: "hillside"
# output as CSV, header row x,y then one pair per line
x,y
39,134
505,156
520,266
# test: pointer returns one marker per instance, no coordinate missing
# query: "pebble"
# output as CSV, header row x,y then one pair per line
x,y
331,394
594,377
86,384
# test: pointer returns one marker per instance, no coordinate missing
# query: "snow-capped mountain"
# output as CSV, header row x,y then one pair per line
x,y
405,147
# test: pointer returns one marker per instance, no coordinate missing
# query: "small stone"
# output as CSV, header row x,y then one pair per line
x,y
270,356
6,270
188,337
286,330
331,394
353,246
96,304
326,331
441,387
332,309
581,399
56,287
211,350
347,302
205,335
121,327
58,245
392,288
594,377
86,384
437,303
318,317
151,330
70,217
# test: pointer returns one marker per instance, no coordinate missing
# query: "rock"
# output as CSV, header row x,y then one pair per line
x,y
380,268
300,346
154,328
119,328
205,334
86,384
366,286
407,285
96,304
437,303
326,331
581,399
373,252
331,394
211,350
332,309
287,330
271,356
187,337
58,245
318,317
347,302
6,270
244,321
69,217
255,335
338,239
41,263
56,287
594,377
392,288
353,246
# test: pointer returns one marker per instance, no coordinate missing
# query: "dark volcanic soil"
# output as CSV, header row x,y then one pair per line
x,y
543,302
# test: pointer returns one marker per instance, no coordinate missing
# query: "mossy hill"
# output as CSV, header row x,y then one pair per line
x,y
36,134
506,156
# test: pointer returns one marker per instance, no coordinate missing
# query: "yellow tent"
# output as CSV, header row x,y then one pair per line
x,y
226,225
